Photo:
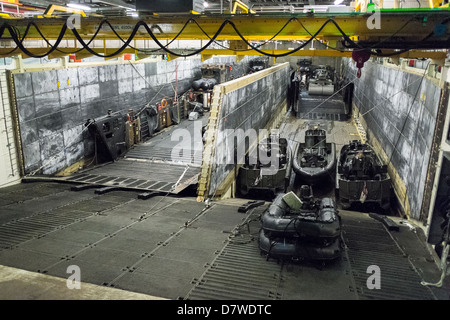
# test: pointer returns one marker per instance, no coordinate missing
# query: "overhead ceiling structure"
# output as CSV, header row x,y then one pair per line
x,y
279,5
400,32
94,4
107,7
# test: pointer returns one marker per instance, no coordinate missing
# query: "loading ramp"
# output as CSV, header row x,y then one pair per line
x,y
149,166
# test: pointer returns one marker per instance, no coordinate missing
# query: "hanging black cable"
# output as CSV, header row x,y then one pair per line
x,y
18,33
126,43
81,49
153,50
149,31
205,33
281,54
258,46
18,42
59,50
85,46
371,47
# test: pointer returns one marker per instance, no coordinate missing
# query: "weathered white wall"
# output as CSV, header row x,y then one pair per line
x,y
248,104
9,171
54,104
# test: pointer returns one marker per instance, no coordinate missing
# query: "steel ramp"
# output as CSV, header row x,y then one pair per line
x,y
156,165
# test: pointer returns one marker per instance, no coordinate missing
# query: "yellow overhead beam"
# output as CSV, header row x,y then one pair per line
x,y
67,51
209,53
412,54
300,53
409,27
422,54
252,27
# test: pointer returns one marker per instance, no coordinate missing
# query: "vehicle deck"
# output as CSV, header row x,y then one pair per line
x,y
177,248
170,246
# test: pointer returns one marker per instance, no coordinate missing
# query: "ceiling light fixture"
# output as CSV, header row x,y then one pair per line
x,y
338,2
79,6
132,12
205,4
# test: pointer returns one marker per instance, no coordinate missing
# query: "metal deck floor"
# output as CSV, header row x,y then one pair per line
x,y
176,248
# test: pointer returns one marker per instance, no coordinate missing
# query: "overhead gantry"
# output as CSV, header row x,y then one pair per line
x,y
402,33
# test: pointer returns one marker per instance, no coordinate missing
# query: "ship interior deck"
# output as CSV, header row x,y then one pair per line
x,y
170,246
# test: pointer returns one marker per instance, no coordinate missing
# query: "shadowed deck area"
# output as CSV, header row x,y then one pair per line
x,y
177,248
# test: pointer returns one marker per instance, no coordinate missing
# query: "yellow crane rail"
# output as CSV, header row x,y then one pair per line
x,y
411,25
397,27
